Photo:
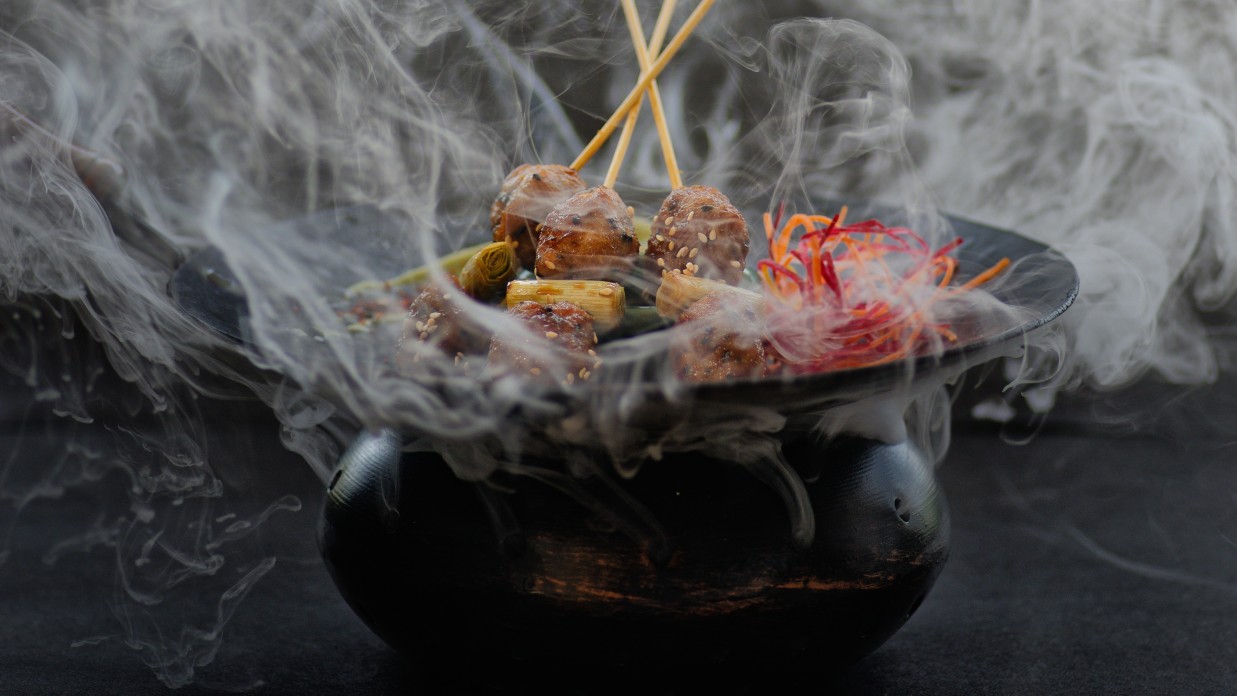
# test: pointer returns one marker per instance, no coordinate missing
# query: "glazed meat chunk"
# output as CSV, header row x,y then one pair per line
x,y
698,231
559,350
438,320
527,196
716,340
589,236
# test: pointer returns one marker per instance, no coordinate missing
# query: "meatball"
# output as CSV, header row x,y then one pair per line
x,y
527,196
437,320
699,232
718,340
561,349
589,236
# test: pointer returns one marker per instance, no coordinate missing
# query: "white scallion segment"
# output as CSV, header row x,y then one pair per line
x,y
605,302
679,291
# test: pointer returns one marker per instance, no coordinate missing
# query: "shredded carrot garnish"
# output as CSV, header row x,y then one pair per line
x,y
985,276
857,295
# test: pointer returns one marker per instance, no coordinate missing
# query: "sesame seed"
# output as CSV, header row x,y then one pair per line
x,y
595,338
586,374
435,315
551,335
448,295
672,231
691,215
694,252
535,370
550,265
631,212
661,237
661,262
671,246
670,220
420,326
583,373
682,252
571,379
606,292
712,234
703,238
592,352
736,264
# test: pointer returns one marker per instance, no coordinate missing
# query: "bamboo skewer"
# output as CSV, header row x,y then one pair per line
x,y
651,64
646,78
655,102
654,48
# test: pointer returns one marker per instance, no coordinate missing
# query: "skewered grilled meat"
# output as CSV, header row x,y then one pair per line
x,y
560,349
721,340
588,236
699,232
527,196
436,319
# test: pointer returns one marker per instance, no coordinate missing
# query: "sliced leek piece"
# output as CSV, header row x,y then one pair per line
x,y
606,302
452,263
679,291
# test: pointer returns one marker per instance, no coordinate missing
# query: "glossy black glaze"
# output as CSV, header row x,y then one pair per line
x,y
527,580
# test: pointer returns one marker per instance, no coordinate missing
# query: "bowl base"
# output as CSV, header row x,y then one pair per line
x,y
691,565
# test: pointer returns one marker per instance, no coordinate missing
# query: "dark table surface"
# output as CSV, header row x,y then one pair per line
x,y
1100,557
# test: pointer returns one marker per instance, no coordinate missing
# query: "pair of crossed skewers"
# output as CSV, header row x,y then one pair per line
x,y
652,61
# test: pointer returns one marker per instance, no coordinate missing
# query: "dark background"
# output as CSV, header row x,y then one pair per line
x,y
1099,557
1095,552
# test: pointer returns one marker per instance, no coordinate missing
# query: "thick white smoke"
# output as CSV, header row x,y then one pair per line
x,y
1106,129
1102,128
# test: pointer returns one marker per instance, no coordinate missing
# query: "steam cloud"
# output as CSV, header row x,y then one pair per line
x,y
1105,129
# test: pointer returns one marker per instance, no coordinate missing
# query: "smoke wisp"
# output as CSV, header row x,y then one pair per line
x,y
1105,131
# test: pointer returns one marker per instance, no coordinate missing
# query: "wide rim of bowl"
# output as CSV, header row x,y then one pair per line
x,y
205,289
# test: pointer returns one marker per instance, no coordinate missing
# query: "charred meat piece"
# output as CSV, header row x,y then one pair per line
x,y
717,340
589,236
437,319
559,350
527,196
699,232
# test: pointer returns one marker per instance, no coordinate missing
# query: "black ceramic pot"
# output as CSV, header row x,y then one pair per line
x,y
520,580
528,581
